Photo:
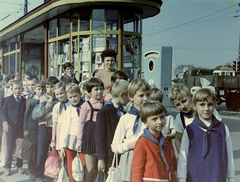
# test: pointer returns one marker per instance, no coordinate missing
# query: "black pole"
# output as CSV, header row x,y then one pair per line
x,y
25,7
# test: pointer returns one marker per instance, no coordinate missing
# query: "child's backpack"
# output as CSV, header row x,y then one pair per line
x,y
52,165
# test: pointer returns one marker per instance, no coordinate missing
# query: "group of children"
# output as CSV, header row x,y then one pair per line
x,y
131,123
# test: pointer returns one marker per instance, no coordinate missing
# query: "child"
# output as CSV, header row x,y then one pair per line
x,y
130,128
31,125
116,76
87,126
45,128
68,138
12,116
85,95
206,152
168,130
153,158
26,92
31,83
107,120
181,98
58,113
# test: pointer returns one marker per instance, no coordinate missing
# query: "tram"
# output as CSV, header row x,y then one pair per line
x,y
76,31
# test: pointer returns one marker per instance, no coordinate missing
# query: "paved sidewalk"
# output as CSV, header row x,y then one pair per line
x,y
15,177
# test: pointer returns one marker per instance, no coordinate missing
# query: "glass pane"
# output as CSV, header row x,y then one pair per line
x,y
18,42
85,20
12,63
112,19
33,49
64,22
75,22
6,46
138,21
112,42
53,28
98,19
75,57
53,58
84,58
128,21
18,62
137,57
33,66
63,51
12,43
128,56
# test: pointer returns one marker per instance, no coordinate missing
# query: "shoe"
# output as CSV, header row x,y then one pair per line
x,y
39,179
7,172
20,170
32,177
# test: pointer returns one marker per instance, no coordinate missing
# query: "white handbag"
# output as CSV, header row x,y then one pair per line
x,y
114,173
77,168
62,176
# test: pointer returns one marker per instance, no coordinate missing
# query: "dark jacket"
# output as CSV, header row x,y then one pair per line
x,y
13,112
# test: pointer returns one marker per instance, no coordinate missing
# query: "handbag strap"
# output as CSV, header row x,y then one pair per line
x,y
115,158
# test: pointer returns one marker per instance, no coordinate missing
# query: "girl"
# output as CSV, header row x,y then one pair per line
x,y
68,138
86,133
58,113
206,149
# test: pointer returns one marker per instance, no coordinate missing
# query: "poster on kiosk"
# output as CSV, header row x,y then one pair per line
x,y
157,66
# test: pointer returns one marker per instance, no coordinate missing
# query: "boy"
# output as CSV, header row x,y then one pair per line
x,y
30,125
168,130
12,116
107,120
181,98
45,129
153,158
129,127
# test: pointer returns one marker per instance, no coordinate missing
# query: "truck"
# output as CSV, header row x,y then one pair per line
x,y
224,79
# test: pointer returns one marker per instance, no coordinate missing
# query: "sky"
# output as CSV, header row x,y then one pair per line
x,y
203,33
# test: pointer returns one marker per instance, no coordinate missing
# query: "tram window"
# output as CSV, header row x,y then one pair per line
x,y
98,19
75,22
112,19
53,28
112,42
64,23
85,20
128,21
138,23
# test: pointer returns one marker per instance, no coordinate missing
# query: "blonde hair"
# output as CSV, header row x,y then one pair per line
x,y
137,84
59,85
202,94
156,94
72,88
178,91
120,86
151,108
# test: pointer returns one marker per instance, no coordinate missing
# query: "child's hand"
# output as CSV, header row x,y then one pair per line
x,y
6,126
25,134
78,147
62,152
101,165
52,145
